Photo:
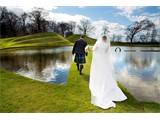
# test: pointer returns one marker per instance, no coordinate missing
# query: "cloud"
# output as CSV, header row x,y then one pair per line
x,y
81,6
63,17
59,17
16,10
155,18
114,28
128,9
27,5
128,12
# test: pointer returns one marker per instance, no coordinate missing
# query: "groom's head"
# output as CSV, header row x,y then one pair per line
x,y
82,36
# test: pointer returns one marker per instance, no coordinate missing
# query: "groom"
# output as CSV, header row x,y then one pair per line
x,y
79,51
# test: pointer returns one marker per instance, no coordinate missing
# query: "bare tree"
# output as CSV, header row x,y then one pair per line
x,y
119,38
137,27
8,23
23,18
52,26
85,26
72,26
38,17
63,27
13,21
153,35
113,38
3,21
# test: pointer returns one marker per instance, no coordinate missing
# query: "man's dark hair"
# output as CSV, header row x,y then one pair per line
x,y
82,36
104,37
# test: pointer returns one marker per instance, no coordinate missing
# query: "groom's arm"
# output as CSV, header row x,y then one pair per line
x,y
73,50
86,48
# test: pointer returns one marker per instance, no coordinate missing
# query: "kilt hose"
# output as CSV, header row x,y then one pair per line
x,y
80,59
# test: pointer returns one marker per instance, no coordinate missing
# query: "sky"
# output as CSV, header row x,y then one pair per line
x,y
117,18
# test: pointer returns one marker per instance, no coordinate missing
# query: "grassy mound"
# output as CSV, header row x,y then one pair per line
x,y
21,94
75,37
35,40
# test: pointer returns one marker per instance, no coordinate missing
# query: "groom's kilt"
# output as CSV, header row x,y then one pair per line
x,y
80,58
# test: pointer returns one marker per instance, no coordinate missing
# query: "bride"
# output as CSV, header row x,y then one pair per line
x,y
103,87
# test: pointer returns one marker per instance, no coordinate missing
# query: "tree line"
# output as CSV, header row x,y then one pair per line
x,y
144,31
36,21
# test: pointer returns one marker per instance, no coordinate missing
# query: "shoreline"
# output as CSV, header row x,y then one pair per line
x,y
72,97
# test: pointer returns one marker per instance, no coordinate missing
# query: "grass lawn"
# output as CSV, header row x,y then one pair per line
x,y
34,41
75,37
20,94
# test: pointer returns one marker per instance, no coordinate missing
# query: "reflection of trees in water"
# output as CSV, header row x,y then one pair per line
x,y
139,60
35,63
139,73
11,62
64,57
40,61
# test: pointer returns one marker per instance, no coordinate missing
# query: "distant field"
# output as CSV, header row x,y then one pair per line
x,y
35,40
40,40
138,44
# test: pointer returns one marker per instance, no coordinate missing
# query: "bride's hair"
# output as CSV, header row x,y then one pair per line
x,y
104,37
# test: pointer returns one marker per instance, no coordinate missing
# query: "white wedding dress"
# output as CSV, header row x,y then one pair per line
x,y
103,86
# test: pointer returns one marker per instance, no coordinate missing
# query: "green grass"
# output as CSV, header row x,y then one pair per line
x,y
43,40
21,94
34,41
75,37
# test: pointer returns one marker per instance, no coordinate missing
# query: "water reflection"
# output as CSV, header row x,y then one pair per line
x,y
139,72
49,65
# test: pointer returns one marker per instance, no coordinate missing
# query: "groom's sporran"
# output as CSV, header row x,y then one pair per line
x,y
80,53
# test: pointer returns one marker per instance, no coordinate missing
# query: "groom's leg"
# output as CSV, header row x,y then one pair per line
x,y
77,66
81,67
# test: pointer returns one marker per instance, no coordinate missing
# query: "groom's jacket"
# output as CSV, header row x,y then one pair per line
x,y
79,47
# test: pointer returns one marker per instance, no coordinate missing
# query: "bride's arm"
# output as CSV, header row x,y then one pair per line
x,y
95,47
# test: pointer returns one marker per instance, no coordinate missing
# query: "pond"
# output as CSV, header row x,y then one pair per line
x,y
47,65
137,68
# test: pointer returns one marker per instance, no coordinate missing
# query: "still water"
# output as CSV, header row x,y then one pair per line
x,y
47,65
138,69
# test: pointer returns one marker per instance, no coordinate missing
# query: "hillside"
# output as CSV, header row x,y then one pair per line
x,y
75,37
35,40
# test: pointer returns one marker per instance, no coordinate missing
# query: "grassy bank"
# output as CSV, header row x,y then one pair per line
x,y
20,94
49,40
75,37
34,41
